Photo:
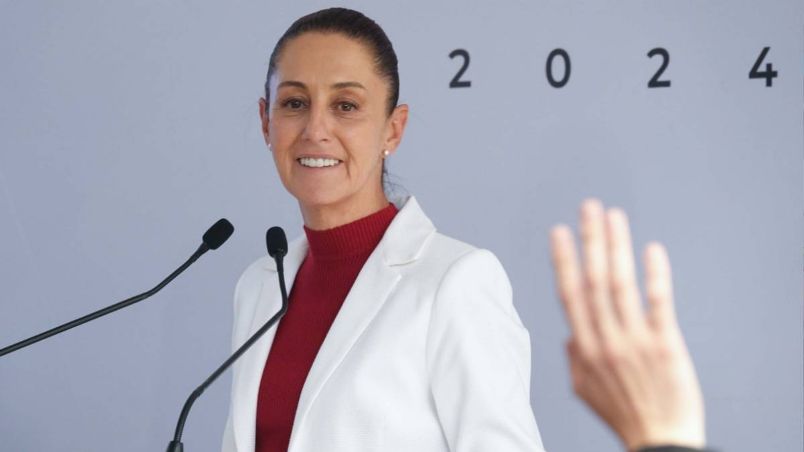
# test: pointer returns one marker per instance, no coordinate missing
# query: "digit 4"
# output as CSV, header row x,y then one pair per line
x,y
768,74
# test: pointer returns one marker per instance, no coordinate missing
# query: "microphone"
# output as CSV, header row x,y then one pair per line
x,y
277,245
215,236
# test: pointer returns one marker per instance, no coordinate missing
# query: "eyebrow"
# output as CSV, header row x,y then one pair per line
x,y
339,85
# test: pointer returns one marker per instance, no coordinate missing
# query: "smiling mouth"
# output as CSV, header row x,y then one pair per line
x,y
318,163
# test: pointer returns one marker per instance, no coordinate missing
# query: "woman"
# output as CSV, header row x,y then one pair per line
x,y
397,338
424,350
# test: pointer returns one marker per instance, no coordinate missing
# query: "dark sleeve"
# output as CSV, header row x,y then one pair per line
x,y
673,449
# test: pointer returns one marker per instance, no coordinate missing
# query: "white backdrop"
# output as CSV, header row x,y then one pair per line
x,y
127,128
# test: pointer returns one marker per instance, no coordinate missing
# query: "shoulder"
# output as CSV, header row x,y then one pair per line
x,y
263,270
465,279
251,280
456,256
435,256
255,270
452,266
467,266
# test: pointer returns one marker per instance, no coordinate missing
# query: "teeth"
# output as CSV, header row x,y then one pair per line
x,y
318,163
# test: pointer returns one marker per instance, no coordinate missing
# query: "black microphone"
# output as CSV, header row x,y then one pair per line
x,y
277,248
215,236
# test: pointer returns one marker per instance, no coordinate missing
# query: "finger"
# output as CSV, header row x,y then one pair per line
x,y
596,271
659,287
622,277
568,281
576,367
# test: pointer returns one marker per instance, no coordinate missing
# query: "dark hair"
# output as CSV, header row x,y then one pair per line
x,y
352,24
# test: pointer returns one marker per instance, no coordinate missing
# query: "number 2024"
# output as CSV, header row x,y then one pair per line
x,y
655,82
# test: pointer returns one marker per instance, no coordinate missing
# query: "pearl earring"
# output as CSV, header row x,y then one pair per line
x,y
385,152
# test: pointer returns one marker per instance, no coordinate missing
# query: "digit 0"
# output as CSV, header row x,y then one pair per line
x,y
549,68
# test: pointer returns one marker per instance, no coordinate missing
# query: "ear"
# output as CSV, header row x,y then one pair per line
x,y
264,120
395,127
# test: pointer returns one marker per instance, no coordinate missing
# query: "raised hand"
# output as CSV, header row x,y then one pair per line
x,y
629,364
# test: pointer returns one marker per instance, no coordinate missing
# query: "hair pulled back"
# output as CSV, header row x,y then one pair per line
x,y
352,24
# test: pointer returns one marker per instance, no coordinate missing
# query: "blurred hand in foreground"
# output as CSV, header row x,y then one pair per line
x,y
629,364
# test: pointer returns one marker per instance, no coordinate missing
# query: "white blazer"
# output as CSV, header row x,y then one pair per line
x,y
427,353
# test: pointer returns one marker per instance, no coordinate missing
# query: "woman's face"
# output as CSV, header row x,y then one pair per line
x,y
327,123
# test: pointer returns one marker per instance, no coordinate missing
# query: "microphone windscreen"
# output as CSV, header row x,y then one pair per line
x,y
276,242
218,233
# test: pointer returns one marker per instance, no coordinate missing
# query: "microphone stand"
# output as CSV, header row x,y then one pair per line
x,y
215,236
107,310
176,445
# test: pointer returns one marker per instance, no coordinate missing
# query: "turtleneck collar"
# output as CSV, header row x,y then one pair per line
x,y
358,237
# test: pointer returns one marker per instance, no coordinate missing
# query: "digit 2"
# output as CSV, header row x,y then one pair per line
x,y
655,82
456,81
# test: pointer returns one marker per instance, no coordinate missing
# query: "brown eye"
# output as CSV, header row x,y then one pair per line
x,y
293,104
347,106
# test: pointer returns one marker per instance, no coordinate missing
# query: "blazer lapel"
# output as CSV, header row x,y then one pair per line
x,y
401,244
252,363
371,288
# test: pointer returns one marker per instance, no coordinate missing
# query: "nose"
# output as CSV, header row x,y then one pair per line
x,y
317,128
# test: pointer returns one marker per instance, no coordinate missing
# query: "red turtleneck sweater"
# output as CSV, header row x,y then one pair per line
x,y
329,270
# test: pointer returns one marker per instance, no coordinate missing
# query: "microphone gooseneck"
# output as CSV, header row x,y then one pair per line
x,y
215,236
277,245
